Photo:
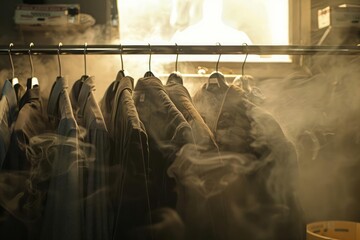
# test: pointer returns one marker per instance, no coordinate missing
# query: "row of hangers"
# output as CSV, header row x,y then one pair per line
x,y
216,78
32,81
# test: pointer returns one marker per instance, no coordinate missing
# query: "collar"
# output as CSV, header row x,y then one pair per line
x,y
126,83
58,87
177,89
112,89
149,83
30,95
87,88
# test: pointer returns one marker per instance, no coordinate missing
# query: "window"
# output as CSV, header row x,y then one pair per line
x,y
228,22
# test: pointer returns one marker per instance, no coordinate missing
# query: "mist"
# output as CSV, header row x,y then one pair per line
x,y
320,114
317,109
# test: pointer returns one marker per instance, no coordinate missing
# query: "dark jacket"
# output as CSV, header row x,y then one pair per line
x,y
267,190
96,175
130,157
180,96
63,209
10,227
167,130
30,122
225,114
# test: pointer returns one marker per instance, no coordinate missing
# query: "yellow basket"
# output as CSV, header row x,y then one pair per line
x,y
333,230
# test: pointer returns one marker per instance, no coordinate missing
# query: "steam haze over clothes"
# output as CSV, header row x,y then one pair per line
x,y
319,112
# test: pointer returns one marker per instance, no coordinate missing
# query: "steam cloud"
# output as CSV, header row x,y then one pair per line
x,y
319,112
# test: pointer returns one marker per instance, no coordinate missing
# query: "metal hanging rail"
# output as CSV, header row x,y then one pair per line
x,y
182,49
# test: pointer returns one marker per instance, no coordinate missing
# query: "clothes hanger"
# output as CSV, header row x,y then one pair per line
x,y
14,81
243,65
59,61
242,80
85,76
78,84
176,76
149,73
121,73
217,78
246,81
32,81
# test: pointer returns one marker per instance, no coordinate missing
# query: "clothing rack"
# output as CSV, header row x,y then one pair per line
x,y
180,49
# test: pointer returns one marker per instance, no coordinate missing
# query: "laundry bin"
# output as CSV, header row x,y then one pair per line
x,y
333,230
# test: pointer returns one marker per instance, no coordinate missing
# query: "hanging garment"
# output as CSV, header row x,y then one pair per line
x,y
63,209
225,114
180,96
8,115
29,123
19,90
167,130
209,186
10,226
130,158
203,177
250,185
98,217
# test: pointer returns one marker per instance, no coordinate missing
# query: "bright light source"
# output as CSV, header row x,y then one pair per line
x,y
204,22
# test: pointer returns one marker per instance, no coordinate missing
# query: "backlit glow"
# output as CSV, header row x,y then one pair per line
x,y
206,22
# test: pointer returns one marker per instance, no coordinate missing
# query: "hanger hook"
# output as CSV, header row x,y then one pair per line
x,y
149,57
59,61
217,63
177,57
11,60
121,57
85,51
247,53
31,62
